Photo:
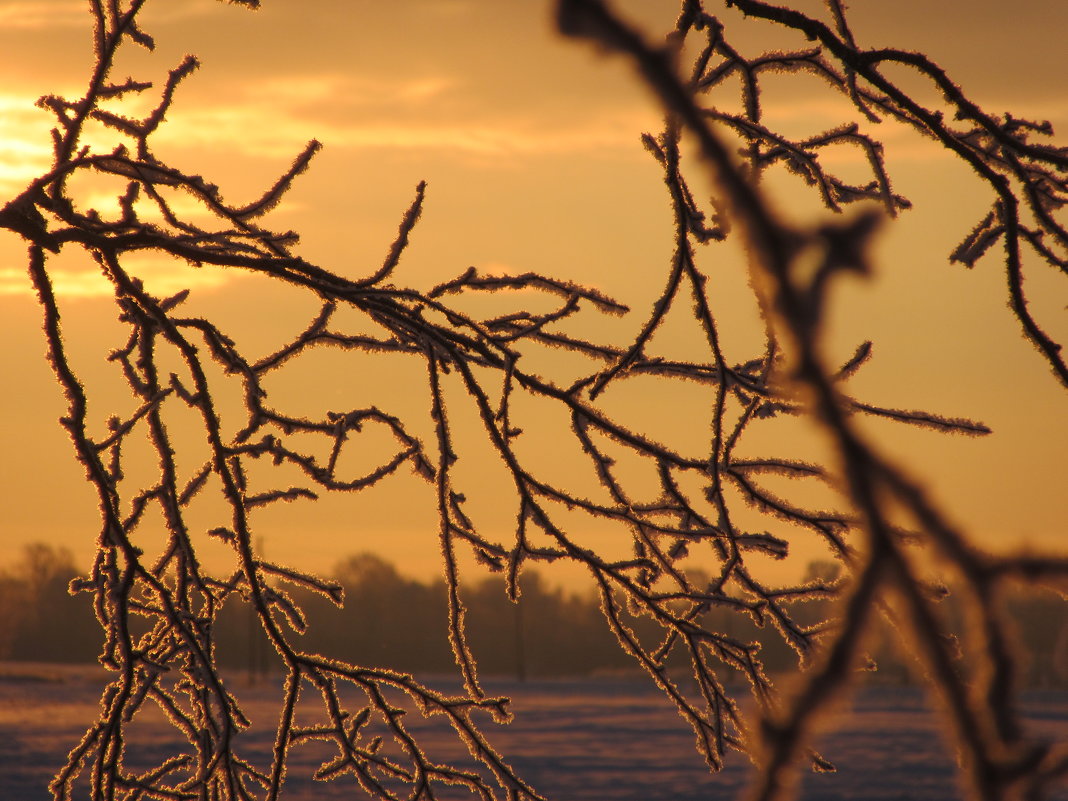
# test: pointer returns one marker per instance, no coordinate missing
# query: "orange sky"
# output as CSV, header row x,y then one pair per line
x,y
530,147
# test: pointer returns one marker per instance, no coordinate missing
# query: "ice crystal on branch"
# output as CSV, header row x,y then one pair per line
x,y
693,558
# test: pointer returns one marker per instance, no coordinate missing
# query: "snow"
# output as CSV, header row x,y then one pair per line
x,y
603,739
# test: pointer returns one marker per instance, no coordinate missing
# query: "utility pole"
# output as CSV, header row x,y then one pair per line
x,y
520,650
257,656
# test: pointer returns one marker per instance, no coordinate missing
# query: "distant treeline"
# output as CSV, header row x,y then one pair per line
x,y
395,621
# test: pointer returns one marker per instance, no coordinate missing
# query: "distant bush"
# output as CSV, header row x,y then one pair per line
x,y
392,619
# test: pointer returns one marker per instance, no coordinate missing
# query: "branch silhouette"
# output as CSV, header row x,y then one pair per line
x,y
157,610
999,759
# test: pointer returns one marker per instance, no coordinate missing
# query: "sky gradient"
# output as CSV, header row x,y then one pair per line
x,y
530,147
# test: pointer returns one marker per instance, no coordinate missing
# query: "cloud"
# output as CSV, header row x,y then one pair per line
x,y
183,204
45,14
25,147
347,92
276,118
448,8
441,113
803,118
162,277
235,127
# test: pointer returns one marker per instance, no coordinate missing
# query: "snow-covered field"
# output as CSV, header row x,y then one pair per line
x,y
602,740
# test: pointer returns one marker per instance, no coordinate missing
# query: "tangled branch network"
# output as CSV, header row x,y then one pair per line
x,y
689,563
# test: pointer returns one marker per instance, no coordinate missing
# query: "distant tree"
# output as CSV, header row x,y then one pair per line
x,y
39,619
547,632
1041,628
157,609
13,610
388,619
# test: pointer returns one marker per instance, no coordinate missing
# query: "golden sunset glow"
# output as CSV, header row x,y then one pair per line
x,y
574,399
530,147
